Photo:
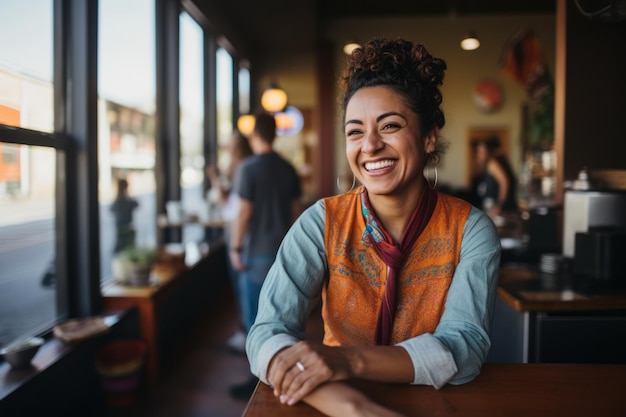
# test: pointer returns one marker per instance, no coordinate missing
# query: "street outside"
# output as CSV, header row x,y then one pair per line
x,y
27,246
26,250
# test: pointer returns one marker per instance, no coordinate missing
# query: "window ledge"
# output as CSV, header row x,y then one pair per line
x,y
50,353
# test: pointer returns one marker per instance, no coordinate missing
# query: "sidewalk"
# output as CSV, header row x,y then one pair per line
x,y
15,211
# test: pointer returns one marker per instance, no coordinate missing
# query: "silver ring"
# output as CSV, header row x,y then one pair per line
x,y
300,366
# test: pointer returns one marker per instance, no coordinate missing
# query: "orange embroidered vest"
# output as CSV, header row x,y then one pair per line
x,y
352,294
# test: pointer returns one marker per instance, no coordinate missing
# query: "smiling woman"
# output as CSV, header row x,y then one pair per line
x,y
379,131
406,274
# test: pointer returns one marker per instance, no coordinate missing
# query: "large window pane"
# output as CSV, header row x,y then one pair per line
x,y
192,125
126,121
224,74
244,90
26,96
27,173
27,241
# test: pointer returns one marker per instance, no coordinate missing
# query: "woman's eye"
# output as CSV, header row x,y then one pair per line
x,y
391,126
352,132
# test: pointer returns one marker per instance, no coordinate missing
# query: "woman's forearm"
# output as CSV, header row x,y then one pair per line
x,y
380,363
337,399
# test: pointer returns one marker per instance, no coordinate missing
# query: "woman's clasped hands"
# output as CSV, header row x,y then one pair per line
x,y
297,370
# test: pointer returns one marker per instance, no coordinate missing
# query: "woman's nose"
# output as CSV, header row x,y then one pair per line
x,y
372,142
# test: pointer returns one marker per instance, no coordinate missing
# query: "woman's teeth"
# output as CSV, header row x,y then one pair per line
x,y
371,166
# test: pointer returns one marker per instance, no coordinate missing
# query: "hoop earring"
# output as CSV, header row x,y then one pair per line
x,y
436,178
339,188
431,158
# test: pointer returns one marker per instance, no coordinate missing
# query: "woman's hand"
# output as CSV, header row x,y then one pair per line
x,y
298,370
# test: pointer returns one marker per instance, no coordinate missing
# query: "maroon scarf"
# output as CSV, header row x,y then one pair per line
x,y
394,256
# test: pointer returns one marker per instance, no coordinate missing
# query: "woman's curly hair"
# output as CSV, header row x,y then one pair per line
x,y
404,66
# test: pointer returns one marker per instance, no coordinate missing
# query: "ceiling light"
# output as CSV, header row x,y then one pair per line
x,y
274,99
245,124
349,47
470,42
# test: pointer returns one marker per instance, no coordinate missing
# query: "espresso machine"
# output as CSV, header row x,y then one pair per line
x,y
594,232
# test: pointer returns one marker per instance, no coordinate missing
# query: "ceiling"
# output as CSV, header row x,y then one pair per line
x,y
354,8
286,26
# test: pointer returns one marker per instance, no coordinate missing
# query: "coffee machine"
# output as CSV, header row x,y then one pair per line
x,y
594,234
588,210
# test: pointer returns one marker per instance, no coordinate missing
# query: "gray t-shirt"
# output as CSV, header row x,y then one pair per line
x,y
271,184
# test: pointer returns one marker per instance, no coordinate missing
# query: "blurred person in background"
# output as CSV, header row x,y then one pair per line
x,y
269,192
495,184
228,206
122,208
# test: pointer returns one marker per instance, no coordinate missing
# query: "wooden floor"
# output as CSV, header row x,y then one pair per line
x,y
197,374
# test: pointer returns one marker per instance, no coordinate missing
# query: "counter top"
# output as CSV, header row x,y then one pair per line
x,y
147,298
526,289
510,390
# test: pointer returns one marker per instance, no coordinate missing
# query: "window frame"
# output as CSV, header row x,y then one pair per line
x,y
75,133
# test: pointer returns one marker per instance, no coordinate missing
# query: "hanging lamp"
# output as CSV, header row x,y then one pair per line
x,y
470,42
245,124
274,99
349,47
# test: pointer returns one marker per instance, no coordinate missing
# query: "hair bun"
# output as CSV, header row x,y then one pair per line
x,y
429,68
403,65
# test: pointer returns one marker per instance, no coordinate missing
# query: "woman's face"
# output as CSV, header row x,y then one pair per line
x,y
383,142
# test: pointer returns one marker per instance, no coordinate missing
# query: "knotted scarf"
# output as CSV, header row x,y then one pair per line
x,y
394,256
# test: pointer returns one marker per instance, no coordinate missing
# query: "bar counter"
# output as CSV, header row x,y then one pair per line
x,y
557,318
525,288
511,390
164,307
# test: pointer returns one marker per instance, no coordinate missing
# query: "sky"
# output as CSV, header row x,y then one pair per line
x,y
26,44
126,50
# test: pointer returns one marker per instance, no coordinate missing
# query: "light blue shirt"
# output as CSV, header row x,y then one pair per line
x,y
454,353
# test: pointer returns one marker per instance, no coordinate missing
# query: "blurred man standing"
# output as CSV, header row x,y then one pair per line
x,y
269,190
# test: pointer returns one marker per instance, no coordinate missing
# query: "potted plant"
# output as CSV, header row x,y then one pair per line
x,y
133,264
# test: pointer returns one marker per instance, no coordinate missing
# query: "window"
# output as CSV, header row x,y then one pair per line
x,y
40,280
244,90
27,172
224,74
192,125
126,123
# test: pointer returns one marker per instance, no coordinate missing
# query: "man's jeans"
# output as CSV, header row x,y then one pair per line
x,y
250,283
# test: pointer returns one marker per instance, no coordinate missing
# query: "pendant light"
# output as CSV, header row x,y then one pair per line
x,y
470,42
245,124
349,47
274,99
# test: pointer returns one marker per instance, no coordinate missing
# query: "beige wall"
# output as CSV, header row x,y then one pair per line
x,y
297,75
441,36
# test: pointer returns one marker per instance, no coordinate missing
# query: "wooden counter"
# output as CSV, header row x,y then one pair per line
x,y
557,318
180,297
120,297
527,289
216,223
509,390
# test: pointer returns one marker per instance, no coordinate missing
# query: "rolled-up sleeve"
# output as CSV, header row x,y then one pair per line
x,y
457,350
290,291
